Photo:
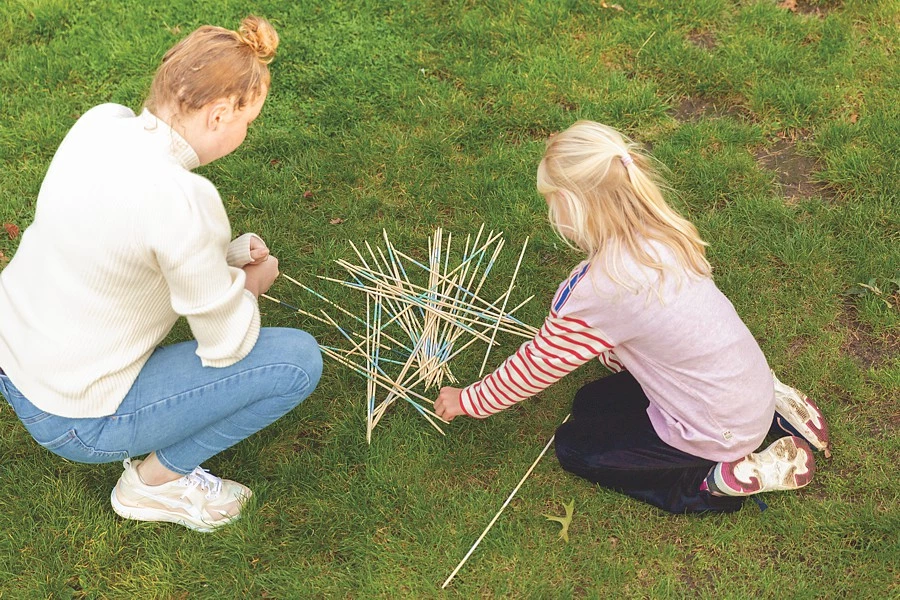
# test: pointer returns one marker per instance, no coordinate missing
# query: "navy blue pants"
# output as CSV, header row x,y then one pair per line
x,y
609,440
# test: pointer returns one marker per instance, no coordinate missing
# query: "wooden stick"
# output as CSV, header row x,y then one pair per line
x,y
512,282
390,385
499,512
370,384
320,296
396,285
424,305
295,309
477,316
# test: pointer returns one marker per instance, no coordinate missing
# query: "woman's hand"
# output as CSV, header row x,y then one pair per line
x,y
447,405
259,252
261,275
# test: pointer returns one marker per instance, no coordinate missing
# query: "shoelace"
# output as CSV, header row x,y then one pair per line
x,y
203,479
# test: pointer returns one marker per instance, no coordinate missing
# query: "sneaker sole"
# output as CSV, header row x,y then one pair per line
x,y
805,414
786,451
153,515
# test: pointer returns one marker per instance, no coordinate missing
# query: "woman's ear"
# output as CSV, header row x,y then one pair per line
x,y
218,112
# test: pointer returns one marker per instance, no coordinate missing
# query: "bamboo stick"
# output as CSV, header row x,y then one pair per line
x,y
499,512
512,282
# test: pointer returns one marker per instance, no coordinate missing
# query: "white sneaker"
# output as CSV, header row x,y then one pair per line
x,y
796,414
199,500
785,465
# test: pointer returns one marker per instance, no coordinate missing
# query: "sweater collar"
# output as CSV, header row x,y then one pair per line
x,y
177,147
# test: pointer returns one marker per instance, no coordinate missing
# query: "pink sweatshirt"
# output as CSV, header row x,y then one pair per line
x,y
710,389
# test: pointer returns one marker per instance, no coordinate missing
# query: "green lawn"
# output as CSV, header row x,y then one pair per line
x,y
780,123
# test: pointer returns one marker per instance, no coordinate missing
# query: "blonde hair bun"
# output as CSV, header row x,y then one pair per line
x,y
262,38
212,63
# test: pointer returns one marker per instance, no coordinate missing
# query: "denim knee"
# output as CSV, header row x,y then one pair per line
x,y
303,351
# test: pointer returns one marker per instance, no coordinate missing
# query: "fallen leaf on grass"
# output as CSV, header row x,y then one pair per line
x,y
791,5
336,221
854,118
564,521
3,258
308,194
11,230
612,6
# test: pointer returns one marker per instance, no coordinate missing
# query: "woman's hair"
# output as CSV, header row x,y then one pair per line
x,y
605,198
214,63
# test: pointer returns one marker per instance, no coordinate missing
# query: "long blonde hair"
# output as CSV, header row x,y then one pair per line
x,y
214,63
605,199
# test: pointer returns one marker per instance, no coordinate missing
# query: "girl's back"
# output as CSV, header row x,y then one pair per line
x,y
705,375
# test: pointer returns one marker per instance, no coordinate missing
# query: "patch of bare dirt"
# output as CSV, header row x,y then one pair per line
x,y
535,132
794,172
804,7
862,344
703,39
883,427
797,346
567,104
696,108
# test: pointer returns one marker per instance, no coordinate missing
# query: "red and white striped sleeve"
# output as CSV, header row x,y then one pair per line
x,y
612,362
561,345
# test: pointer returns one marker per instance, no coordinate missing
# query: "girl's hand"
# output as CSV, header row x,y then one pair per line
x,y
261,276
259,252
447,405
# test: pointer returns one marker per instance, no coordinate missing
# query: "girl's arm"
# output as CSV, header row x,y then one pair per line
x,y
562,345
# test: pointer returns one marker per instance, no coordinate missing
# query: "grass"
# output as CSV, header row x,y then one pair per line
x,y
780,129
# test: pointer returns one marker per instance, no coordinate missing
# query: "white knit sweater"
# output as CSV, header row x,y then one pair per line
x,y
125,240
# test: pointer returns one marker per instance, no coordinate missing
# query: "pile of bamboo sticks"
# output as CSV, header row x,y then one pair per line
x,y
419,317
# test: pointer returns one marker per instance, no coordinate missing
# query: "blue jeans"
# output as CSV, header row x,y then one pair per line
x,y
181,410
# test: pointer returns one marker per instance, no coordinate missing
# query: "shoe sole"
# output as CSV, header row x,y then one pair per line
x,y
786,451
804,415
154,515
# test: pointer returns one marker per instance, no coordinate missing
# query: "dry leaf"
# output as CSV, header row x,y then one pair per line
x,y
612,6
791,5
11,230
308,194
336,221
3,258
564,521
274,162
854,117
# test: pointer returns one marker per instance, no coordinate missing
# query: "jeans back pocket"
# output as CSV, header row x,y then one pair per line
x,y
70,446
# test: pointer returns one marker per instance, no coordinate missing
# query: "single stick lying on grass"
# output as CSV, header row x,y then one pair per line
x,y
499,512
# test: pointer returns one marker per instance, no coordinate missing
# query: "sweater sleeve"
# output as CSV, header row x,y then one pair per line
x,y
561,345
239,250
191,249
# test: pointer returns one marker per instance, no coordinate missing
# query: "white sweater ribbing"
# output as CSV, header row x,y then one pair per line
x,y
125,240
